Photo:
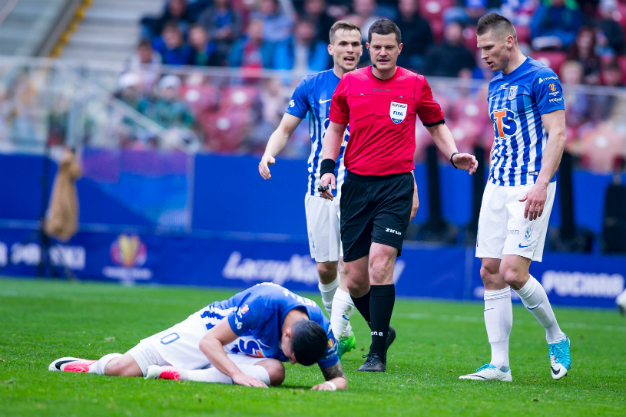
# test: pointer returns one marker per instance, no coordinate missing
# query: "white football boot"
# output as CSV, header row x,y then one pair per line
x,y
489,372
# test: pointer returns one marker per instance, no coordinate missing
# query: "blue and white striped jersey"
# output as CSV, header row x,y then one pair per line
x,y
516,102
313,96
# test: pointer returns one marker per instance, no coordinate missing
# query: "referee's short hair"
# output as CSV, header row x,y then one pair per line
x,y
499,24
344,25
384,27
308,342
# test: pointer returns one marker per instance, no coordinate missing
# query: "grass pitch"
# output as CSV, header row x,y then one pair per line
x,y
437,341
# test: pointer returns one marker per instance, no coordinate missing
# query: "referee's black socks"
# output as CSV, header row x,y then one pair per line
x,y
382,300
363,305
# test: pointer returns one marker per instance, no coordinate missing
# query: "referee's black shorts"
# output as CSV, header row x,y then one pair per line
x,y
374,209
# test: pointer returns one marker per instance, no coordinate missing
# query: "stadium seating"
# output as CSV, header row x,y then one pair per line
x,y
553,59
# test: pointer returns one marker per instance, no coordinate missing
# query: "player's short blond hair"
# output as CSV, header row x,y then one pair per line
x,y
342,24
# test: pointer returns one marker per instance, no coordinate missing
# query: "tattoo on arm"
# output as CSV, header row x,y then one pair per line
x,y
334,371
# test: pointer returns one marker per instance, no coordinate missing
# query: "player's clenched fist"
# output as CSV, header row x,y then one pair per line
x,y
264,169
327,184
248,381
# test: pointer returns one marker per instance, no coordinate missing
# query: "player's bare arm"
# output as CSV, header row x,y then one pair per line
x,y
416,200
277,142
333,375
445,142
554,123
212,345
330,150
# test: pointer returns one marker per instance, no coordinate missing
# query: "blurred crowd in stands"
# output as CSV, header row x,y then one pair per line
x,y
166,79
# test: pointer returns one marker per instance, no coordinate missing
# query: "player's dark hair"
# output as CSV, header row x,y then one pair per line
x,y
308,342
497,23
342,24
384,27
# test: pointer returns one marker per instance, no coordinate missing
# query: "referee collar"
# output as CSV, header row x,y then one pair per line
x,y
387,80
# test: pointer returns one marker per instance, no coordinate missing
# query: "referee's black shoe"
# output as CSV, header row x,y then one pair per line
x,y
374,363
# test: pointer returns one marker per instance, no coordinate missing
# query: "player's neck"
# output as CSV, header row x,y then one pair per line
x,y
517,59
339,72
293,316
384,75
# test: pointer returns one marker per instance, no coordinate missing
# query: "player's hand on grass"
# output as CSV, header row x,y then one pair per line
x,y
248,381
465,162
322,387
535,200
328,179
264,169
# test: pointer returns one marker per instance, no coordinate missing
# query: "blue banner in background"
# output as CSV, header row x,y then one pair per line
x,y
422,271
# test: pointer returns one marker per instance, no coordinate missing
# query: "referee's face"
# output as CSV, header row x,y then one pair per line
x,y
346,49
384,51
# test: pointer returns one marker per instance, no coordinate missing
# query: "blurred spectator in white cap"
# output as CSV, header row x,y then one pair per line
x,y
205,51
129,91
611,32
168,109
146,63
223,24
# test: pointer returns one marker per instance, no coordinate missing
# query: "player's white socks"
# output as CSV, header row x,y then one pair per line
x,y
536,301
343,308
215,376
98,367
499,321
328,292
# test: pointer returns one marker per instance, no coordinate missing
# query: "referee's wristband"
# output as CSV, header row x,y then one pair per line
x,y
328,167
451,157
332,385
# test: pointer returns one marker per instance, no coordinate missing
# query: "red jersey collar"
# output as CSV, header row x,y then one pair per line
x,y
375,78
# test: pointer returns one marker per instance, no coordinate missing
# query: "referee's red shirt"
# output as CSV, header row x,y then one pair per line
x,y
382,116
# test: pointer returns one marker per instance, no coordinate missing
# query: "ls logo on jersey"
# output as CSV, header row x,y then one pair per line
x,y
397,112
504,123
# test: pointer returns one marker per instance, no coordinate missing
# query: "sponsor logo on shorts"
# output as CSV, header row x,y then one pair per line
x,y
514,232
528,234
395,232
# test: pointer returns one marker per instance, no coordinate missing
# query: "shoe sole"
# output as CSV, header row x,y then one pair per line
x,y
478,378
372,370
56,365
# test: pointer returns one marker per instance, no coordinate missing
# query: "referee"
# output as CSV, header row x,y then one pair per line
x,y
381,104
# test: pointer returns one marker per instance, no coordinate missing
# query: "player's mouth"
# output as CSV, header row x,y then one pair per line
x,y
349,59
382,61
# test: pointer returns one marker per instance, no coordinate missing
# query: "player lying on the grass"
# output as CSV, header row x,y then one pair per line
x,y
242,340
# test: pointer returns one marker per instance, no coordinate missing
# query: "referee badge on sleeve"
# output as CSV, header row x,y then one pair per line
x,y
397,112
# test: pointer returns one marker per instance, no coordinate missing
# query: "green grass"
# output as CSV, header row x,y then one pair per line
x,y
437,341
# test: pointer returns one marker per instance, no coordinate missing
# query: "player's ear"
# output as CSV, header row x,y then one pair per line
x,y
331,50
288,332
400,48
367,45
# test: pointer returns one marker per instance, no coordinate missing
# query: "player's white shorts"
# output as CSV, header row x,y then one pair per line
x,y
179,346
322,222
502,228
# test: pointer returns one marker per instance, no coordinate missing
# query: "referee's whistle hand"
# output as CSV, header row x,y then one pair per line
x,y
328,179
264,169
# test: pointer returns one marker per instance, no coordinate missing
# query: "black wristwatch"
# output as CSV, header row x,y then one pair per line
x,y
452,156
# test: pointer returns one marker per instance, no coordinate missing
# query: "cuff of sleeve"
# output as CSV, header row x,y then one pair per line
x,y
339,122
440,122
